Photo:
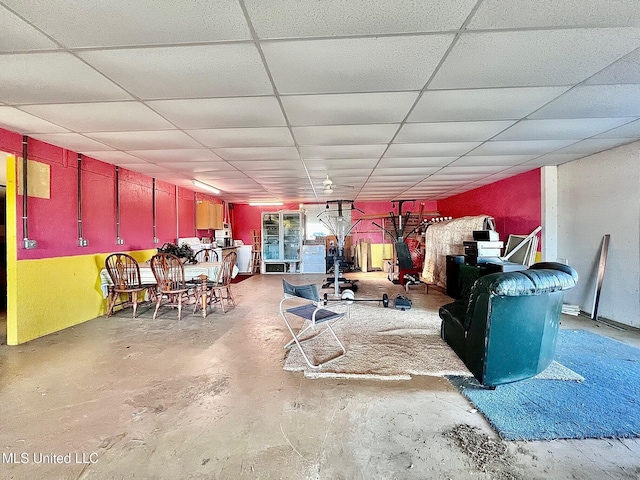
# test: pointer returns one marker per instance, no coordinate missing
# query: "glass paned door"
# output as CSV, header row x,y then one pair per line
x,y
271,236
291,235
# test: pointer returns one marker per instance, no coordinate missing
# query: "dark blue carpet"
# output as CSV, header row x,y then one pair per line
x,y
605,405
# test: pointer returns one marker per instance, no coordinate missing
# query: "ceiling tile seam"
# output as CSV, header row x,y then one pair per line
x,y
455,39
263,59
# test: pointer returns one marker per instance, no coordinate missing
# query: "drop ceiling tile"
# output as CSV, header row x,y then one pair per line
x,y
491,160
272,167
516,147
309,18
146,168
258,153
553,159
342,164
244,137
145,140
341,151
119,22
482,104
114,157
18,121
355,64
630,130
184,71
54,77
534,57
177,155
18,36
72,141
591,146
450,131
221,112
441,149
101,117
403,162
345,134
348,108
229,173
195,167
625,70
554,13
459,178
557,129
416,171
470,170
594,101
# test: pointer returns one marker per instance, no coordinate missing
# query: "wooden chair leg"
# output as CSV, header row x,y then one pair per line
x,y
112,302
134,298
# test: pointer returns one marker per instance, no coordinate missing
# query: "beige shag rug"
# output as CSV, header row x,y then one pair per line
x,y
383,343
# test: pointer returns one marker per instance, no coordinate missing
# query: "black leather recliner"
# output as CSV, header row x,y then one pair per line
x,y
506,330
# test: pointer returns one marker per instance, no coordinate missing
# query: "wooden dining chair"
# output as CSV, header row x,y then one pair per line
x,y
206,255
124,272
221,288
172,290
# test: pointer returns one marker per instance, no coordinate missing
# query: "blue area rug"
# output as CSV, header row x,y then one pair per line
x,y
605,405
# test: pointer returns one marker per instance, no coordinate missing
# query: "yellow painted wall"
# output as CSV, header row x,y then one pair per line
x,y
379,252
55,293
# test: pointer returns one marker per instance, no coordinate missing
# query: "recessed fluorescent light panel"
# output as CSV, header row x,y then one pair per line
x,y
265,204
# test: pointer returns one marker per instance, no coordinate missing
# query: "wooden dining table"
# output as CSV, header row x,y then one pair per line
x,y
192,274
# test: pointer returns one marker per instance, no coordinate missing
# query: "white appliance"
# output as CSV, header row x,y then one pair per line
x,y
223,237
244,258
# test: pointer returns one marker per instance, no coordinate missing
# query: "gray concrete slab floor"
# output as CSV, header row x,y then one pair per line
x,y
120,398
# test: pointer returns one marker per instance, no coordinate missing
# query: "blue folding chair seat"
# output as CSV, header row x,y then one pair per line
x,y
315,314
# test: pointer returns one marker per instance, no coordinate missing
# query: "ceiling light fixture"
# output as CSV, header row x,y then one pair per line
x,y
327,182
198,183
327,190
265,204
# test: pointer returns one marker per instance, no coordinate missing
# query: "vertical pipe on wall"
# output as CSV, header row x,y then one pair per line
x,y
195,220
153,209
25,202
119,241
177,217
81,241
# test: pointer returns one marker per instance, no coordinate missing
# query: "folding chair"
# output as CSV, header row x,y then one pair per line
x,y
315,314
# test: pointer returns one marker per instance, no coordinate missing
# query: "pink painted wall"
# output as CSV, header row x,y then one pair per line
x,y
53,222
514,203
366,228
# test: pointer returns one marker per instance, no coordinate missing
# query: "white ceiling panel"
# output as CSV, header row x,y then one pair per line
x,y
630,130
184,72
146,140
221,112
341,151
533,57
244,137
73,141
24,123
594,101
345,134
552,159
310,18
18,36
482,104
595,145
101,117
146,168
407,171
229,173
177,155
113,156
356,64
92,23
341,164
470,170
625,70
410,162
348,108
528,147
196,167
258,153
549,129
430,149
270,167
55,77
450,131
491,160
555,13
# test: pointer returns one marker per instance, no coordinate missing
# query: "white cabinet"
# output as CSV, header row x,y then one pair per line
x,y
281,242
313,259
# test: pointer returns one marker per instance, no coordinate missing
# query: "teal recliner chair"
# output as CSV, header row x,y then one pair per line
x,y
506,330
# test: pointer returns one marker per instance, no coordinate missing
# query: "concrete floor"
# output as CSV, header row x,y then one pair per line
x,y
121,398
